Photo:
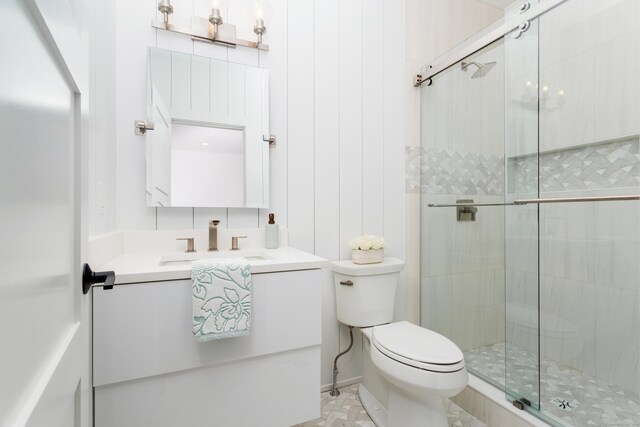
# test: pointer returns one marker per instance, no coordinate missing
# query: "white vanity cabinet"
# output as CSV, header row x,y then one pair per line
x,y
148,370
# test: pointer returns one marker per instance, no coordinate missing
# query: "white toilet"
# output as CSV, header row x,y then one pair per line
x,y
407,370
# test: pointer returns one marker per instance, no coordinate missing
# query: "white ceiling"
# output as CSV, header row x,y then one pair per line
x,y
498,3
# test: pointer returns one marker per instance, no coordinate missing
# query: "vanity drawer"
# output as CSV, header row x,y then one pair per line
x,y
144,329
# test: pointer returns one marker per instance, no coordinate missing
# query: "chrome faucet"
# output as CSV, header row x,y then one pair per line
x,y
213,235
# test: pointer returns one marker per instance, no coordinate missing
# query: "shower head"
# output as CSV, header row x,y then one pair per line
x,y
483,69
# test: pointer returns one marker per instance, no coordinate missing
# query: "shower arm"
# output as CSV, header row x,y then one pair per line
x,y
520,202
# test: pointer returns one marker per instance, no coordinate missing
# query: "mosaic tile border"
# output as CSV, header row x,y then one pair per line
x,y
606,165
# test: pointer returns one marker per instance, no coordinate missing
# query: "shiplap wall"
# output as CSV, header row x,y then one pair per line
x,y
337,107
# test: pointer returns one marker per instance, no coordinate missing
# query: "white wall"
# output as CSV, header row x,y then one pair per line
x,y
337,108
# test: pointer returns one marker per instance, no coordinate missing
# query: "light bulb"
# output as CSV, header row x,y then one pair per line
x,y
259,10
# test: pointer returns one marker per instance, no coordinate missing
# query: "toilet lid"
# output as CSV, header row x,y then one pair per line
x,y
419,347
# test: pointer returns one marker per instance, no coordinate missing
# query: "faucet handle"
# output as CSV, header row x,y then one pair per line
x,y
214,222
190,243
234,242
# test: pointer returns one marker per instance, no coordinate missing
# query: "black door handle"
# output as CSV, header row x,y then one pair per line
x,y
90,278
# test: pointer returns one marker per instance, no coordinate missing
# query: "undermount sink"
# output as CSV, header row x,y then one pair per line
x,y
186,258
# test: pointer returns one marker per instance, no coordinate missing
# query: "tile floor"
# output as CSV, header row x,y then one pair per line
x,y
588,401
347,411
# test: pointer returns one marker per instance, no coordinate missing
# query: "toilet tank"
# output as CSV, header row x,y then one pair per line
x,y
365,294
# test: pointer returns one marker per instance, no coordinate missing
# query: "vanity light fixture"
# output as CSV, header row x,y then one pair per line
x,y
164,6
213,29
260,11
215,18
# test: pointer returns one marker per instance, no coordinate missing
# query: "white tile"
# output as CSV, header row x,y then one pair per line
x,y
617,340
615,18
566,31
567,322
437,304
568,119
617,111
618,245
437,243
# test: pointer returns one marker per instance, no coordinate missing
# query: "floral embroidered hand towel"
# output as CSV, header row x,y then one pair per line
x,y
221,298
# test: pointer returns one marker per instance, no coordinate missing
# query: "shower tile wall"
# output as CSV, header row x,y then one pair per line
x,y
589,145
589,126
462,157
432,28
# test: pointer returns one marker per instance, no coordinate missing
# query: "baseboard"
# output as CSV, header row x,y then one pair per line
x,y
342,383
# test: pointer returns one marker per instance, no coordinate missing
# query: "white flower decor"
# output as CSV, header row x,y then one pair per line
x,y
367,249
367,242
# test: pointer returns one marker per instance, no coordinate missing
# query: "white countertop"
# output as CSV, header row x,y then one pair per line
x,y
139,267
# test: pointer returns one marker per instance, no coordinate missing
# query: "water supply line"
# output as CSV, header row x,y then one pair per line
x,y
334,390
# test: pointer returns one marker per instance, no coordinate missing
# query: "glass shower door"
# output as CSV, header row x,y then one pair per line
x,y
522,331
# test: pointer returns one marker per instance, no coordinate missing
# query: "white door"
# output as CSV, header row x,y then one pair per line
x,y
44,353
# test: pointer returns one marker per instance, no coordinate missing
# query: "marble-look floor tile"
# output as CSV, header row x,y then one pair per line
x,y
347,411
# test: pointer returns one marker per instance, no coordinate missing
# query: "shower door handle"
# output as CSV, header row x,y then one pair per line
x,y
520,202
576,199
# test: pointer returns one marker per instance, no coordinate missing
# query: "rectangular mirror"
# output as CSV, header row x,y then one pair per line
x,y
210,117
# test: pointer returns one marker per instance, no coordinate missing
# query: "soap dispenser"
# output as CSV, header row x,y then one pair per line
x,y
272,236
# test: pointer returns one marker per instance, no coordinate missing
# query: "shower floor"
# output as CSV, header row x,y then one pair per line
x,y
594,401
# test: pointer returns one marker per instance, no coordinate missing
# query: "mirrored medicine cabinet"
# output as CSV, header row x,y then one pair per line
x,y
210,119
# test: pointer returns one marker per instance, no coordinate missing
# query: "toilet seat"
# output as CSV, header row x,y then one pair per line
x,y
417,347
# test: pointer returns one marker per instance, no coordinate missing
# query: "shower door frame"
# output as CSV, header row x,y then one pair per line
x,y
509,26
483,39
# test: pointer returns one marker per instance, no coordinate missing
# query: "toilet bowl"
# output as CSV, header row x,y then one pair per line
x,y
407,370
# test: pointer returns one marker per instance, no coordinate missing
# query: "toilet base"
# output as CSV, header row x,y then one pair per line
x,y
404,409
376,411
408,410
